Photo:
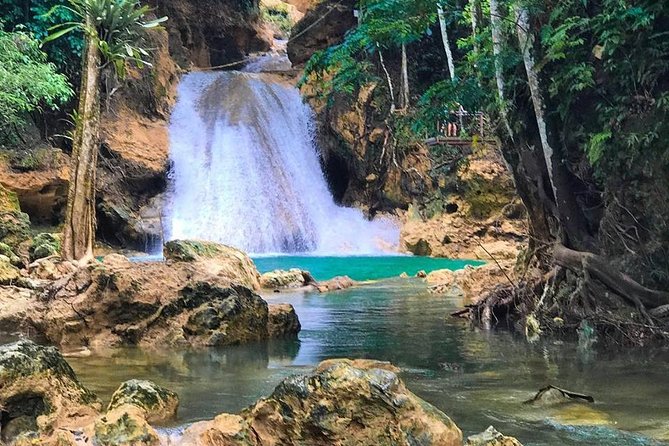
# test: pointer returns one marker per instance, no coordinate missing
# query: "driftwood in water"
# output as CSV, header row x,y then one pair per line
x,y
599,268
555,395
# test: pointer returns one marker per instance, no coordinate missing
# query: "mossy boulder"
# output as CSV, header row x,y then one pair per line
x,y
222,260
14,224
124,426
44,245
38,390
7,251
157,403
9,274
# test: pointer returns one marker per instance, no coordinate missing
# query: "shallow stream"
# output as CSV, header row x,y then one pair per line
x,y
475,377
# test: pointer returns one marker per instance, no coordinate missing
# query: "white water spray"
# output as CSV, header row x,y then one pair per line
x,y
245,172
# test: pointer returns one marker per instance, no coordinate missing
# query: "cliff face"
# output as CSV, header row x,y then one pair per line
x,y
215,32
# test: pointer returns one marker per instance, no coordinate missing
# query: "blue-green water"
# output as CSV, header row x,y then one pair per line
x,y
478,378
360,267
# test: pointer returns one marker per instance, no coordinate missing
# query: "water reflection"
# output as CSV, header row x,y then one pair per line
x,y
478,378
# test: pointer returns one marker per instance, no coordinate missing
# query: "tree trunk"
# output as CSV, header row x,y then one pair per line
x,y
526,43
79,231
444,39
575,231
497,45
474,5
388,79
404,92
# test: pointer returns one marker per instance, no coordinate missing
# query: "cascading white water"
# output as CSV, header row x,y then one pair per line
x,y
245,172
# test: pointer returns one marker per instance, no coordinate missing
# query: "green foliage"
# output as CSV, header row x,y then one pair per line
x,y
28,83
277,15
386,25
31,15
117,26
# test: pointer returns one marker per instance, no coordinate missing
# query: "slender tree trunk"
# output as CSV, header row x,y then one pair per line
x,y
526,42
404,92
444,39
474,5
497,45
79,231
388,79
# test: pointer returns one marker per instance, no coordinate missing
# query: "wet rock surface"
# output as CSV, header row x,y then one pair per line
x,y
491,437
342,402
283,321
39,391
157,403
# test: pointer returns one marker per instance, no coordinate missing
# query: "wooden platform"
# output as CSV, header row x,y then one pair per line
x,y
457,141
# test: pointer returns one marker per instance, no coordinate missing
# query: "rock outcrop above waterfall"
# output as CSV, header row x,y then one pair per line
x,y
324,24
202,299
342,402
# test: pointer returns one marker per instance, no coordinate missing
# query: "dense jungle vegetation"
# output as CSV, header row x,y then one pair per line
x,y
577,93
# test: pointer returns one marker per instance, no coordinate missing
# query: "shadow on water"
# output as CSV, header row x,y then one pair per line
x,y
477,378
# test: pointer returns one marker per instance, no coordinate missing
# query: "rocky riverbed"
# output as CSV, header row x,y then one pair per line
x,y
342,402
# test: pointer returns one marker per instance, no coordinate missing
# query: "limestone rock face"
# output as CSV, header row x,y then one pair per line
x,y
341,403
39,391
157,403
339,19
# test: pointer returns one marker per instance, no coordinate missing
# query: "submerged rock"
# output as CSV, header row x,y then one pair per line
x,y
39,391
342,402
491,437
157,403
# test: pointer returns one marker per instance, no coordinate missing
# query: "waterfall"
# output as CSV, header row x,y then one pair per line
x,y
246,172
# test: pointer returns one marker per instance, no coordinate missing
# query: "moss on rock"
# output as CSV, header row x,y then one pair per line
x,y
159,404
44,245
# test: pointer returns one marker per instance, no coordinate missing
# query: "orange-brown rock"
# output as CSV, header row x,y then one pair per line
x,y
202,295
342,403
470,282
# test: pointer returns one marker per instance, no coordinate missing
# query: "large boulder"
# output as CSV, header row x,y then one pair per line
x,y
283,321
342,403
9,274
39,392
227,261
208,300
